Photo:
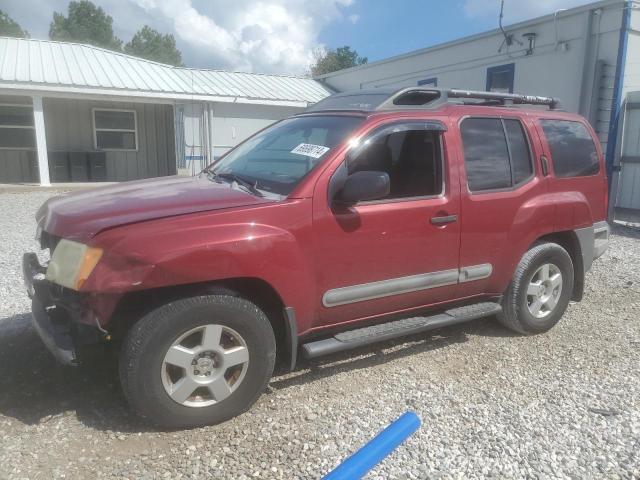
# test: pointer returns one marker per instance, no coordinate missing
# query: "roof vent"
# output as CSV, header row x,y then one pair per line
x,y
416,97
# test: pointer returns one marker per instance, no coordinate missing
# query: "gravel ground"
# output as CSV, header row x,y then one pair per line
x,y
565,404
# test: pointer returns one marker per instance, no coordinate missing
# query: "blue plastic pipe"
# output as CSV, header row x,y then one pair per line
x,y
372,453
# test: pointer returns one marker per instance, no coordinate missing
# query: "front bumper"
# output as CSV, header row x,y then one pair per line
x,y
53,312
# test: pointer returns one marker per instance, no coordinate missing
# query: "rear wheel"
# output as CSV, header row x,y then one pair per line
x,y
540,290
197,361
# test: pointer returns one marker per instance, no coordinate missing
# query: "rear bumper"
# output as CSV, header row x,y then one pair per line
x,y
594,241
53,314
601,232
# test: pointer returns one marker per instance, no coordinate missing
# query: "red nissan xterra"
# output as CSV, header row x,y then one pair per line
x,y
372,215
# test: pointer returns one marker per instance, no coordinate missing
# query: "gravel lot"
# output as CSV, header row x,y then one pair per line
x,y
561,405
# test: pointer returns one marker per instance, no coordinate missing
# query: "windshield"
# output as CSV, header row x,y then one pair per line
x,y
276,159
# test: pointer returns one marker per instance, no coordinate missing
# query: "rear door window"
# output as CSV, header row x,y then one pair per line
x,y
496,153
572,149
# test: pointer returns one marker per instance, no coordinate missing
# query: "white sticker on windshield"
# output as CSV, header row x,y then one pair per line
x,y
310,150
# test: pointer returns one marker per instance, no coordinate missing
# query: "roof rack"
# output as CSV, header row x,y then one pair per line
x,y
432,97
505,98
424,98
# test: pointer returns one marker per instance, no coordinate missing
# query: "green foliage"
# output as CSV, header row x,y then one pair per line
x,y
152,45
327,61
10,28
85,23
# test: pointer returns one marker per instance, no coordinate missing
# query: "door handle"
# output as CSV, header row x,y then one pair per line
x,y
545,165
444,220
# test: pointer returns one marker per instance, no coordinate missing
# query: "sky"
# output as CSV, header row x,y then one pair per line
x,y
281,36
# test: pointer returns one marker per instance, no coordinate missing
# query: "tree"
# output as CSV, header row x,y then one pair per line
x,y
152,45
327,61
85,23
10,28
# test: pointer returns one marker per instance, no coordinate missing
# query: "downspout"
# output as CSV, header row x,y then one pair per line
x,y
617,90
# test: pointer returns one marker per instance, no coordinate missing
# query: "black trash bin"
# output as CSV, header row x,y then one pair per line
x,y
79,166
59,167
98,166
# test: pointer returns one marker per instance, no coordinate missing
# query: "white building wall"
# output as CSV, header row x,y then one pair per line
x,y
233,122
574,59
205,131
632,66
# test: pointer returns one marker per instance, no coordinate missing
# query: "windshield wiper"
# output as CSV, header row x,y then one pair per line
x,y
237,179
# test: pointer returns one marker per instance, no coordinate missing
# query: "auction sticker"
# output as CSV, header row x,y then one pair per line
x,y
310,150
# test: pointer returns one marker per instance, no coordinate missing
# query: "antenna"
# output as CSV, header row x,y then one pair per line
x,y
508,38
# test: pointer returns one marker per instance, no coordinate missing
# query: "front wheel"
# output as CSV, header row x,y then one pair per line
x,y
197,361
540,290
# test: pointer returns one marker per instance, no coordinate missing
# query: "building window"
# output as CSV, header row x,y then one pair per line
x,y
500,78
428,82
115,129
496,153
16,127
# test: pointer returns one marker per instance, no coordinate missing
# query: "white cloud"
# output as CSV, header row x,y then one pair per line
x,y
270,36
353,18
275,36
516,10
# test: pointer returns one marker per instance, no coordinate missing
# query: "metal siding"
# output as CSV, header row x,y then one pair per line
x,y
22,66
78,74
69,127
35,65
463,63
628,195
150,141
27,62
18,166
244,120
604,102
171,141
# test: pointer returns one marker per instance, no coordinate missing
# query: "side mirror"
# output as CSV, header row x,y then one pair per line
x,y
363,186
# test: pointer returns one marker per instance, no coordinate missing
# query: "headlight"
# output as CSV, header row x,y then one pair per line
x,y
71,263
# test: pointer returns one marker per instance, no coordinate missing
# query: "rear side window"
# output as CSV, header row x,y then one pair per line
x,y
496,153
572,148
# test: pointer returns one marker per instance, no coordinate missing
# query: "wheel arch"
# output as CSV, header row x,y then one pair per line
x,y
134,305
569,241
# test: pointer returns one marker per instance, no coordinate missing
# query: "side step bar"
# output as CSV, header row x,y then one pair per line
x,y
398,328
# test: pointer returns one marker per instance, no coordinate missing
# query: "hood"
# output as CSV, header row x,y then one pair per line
x,y
81,215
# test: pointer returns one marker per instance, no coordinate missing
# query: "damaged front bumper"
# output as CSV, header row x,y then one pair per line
x,y
54,310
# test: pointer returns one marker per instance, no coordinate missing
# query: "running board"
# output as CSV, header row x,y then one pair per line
x,y
398,328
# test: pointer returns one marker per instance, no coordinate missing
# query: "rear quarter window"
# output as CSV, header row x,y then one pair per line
x,y
572,149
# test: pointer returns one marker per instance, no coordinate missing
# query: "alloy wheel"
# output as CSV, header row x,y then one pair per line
x,y
205,365
544,290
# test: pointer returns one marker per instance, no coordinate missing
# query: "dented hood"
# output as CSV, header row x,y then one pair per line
x,y
81,215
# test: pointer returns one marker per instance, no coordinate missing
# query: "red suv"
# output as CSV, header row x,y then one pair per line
x,y
373,215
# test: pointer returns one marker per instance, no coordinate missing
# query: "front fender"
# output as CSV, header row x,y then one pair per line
x,y
205,249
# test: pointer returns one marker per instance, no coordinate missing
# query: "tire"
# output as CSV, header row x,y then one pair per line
x,y
520,311
174,348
